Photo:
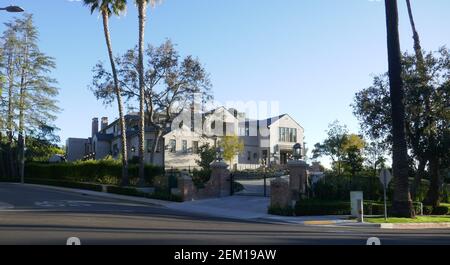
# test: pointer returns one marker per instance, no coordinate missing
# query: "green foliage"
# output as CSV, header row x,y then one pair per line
x,y
333,187
158,195
344,149
200,177
427,210
65,184
232,146
207,156
440,210
316,207
283,211
41,144
101,171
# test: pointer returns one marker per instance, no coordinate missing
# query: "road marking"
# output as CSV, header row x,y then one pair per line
x,y
319,222
61,204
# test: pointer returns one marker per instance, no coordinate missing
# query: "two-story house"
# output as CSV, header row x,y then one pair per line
x,y
267,141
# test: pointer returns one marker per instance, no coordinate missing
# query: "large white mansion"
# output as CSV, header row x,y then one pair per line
x,y
265,141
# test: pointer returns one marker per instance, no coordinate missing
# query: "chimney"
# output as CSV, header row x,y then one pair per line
x,y
104,123
94,126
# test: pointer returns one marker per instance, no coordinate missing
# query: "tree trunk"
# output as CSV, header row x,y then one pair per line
x,y
434,192
418,177
402,203
142,6
22,96
158,139
11,169
125,180
417,45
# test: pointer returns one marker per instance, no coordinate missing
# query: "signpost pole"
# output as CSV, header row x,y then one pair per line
x,y
385,203
385,177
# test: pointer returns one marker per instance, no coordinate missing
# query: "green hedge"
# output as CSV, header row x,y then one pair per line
x,y
65,184
103,172
314,207
277,210
319,207
377,208
129,191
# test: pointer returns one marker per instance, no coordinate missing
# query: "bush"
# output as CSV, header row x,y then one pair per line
x,y
427,210
315,207
101,171
65,184
200,177
338,188
440,210
283,211
377,208
158,195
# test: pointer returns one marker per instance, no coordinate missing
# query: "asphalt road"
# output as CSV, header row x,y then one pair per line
x,y
36,215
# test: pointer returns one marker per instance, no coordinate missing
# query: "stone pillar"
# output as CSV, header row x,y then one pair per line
x,y
280,193
186,187
220,179
298,178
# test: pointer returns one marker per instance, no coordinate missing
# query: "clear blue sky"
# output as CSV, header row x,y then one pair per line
x,y
310,55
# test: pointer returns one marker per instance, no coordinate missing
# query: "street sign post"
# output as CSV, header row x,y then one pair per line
x,y
385,178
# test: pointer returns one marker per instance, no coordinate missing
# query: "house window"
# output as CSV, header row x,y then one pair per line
x,y
255,156
287,135
213,125
184,145
249,155
195,148
173,146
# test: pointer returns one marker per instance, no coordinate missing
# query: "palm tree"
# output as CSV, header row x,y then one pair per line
x,y
142,10
432,197
402,203
422,72
108,8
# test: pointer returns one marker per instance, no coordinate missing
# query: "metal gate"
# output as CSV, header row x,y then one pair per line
x,y
245,185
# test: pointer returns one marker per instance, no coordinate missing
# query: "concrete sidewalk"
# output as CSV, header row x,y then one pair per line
x,y
251,209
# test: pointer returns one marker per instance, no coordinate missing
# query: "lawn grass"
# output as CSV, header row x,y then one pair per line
x,y
418,219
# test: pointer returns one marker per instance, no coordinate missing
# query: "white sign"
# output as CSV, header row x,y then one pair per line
x,y
355,196
385,177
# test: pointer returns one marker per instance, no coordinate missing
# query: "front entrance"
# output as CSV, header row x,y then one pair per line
x,y
248,184
284,157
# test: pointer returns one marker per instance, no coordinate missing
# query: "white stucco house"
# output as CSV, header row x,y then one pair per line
x,y
267,141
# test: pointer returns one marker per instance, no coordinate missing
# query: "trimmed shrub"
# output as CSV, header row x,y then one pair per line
x,y
101,171
338,188
427,210
65,184
158,195
200,177
440,210
314,207
283,211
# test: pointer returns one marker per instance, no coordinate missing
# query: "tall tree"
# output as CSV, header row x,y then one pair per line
x,y
334,145
107,8
172,84
142,13
434,191
402,203
32,91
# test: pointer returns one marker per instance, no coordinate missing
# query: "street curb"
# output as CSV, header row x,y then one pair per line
x,y
415,226
104,195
